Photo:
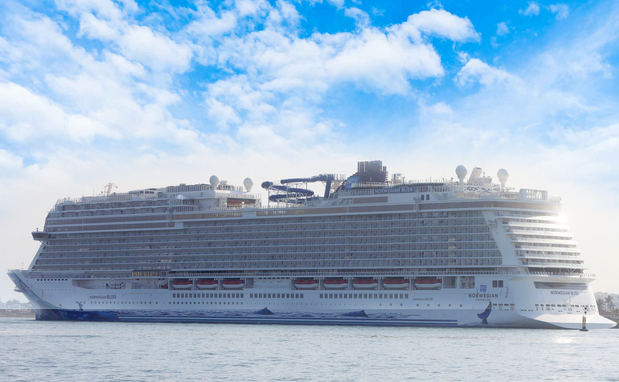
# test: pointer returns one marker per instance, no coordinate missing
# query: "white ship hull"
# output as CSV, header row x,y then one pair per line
x,y
446,307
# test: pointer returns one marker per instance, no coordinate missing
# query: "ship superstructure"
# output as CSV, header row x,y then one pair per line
x,y
370,250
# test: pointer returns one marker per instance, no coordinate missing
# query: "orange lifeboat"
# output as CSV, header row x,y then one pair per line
x,y
395,283
305,283
206,284
182,284
335,283
364,283
427,283
233,284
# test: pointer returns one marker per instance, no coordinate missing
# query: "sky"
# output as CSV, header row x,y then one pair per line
x,y
155,93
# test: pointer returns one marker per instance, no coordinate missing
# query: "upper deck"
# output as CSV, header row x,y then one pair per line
x,y
154,208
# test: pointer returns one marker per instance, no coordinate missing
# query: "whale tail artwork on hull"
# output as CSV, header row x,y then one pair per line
x,y
369,249
484,315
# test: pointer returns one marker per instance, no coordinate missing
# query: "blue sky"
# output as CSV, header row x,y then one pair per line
x,y
156,93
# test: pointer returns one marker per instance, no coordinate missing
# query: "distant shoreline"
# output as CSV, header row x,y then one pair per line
x,y
16,313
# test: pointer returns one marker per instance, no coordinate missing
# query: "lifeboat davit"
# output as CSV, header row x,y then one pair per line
x,y
364,283
233,284
305,284
182,284
427,283
395,283
335,283
206,284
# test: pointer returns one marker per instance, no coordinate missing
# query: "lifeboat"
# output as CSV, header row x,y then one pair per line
x,y
395,283
427,283
206,284
364,283
182,284
233,284
305,284
335,283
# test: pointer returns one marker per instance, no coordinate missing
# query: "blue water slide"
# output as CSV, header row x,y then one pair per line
x,y
293,190
318,178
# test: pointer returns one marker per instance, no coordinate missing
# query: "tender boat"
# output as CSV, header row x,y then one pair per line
x,y
364,283
395,283
335,283
233,284
306,284
207,284
182,284
427,283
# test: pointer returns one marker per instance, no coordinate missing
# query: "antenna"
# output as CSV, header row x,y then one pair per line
x,y
107,189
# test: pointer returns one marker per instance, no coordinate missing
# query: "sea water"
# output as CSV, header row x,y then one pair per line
x,y
100,351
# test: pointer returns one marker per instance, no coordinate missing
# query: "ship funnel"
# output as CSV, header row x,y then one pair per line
x,y
475,175
248,183
214,181
461,172
502,174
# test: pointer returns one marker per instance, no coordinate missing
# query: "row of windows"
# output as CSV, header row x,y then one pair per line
x,y
238,239
384,255
341,221
208,295
364,295
261,230
481,242
129,266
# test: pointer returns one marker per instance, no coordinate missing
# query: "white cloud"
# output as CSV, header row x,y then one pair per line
x,y
385,62
382,60
337,3
104,20
9,160
209,24
502,29
440,23
476,70
154,49
532,9
362,19
561,11
94,28
224,115
27,116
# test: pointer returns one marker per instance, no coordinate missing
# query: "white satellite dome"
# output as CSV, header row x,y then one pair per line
x,y
248,183
214,181
461,172
502,174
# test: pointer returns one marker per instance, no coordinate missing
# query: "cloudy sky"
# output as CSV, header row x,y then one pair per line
x,y
156,93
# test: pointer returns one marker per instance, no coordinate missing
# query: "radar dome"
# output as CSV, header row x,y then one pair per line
x,y
502,174
461,172
214,181
248,183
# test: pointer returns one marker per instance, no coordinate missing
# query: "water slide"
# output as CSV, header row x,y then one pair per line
x,y
296,194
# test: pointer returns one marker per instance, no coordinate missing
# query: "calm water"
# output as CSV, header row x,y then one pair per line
x,y
62,351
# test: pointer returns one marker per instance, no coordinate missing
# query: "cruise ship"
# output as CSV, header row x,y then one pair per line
x,y
371,249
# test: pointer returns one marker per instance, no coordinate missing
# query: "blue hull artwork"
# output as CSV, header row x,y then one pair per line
x,y
263,316
484,315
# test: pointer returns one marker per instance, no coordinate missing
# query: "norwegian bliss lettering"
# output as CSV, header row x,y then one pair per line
x,y
483,295
103,297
